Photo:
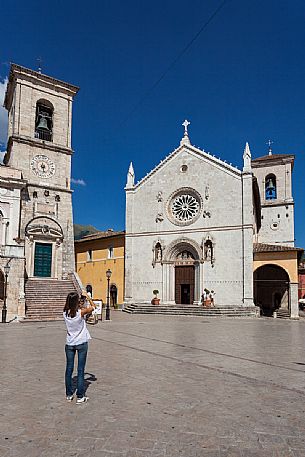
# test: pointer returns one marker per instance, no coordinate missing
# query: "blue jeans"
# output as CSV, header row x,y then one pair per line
x,y
81,350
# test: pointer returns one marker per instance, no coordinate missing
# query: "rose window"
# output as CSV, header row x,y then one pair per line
x,y
184,206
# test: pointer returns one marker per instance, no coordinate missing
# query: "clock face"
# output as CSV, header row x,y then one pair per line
x,y
42,166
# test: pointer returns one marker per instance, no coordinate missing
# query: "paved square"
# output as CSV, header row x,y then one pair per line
x,y
158,387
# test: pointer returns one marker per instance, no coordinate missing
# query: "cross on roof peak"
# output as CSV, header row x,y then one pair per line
x,y
269,143
185,125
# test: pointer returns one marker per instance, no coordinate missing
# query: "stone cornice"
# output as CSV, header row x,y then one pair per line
x,y
184,231
194,150
271,161
36,142
14,183
50,187
19,72
278,203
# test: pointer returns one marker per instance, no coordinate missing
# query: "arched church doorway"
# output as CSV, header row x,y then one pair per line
x,y
113,295
184,278
271,288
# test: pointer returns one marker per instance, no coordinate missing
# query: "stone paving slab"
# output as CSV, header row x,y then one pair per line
x,y
159,386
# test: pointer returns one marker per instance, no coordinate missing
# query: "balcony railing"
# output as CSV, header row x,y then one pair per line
x,y
42,135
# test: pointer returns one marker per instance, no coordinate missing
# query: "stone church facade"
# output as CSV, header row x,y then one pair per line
x,y
40,235
194,223
189,226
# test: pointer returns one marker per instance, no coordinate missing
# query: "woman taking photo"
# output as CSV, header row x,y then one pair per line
x,y
77,341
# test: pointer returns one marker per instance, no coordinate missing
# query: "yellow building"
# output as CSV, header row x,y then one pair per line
x,y
94,255
276,277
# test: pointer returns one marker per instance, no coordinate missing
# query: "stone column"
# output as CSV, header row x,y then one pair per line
x,y
165,282
128,271
247,231
30,257
201,279
197,284
171,282
294,302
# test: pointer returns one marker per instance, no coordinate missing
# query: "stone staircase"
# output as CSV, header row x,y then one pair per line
x,y
282,313
46,298
192,310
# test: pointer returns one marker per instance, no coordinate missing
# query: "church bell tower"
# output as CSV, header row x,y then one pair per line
x,y
39,145
274,177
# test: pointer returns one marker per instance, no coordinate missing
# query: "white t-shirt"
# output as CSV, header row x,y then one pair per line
x,y
77,332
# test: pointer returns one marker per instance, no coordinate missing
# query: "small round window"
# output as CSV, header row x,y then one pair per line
x,y
183,169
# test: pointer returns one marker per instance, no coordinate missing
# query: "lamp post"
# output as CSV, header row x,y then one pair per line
x,y
108,275
4,309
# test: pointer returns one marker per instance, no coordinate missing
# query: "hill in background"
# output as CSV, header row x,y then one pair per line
x,y
82,230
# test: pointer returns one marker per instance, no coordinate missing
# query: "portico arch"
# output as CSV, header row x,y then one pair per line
x,y
44,238
182,272
271,288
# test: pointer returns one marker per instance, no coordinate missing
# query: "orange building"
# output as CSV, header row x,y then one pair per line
x,y
94,255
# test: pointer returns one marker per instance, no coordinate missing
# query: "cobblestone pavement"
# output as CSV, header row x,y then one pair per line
x,y
158,387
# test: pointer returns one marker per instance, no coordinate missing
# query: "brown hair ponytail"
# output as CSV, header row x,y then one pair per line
x,y
72,304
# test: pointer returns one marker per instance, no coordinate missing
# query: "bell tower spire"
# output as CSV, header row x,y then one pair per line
x,y
130,177
247,158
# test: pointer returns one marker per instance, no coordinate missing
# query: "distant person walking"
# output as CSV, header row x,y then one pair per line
x,y
76,341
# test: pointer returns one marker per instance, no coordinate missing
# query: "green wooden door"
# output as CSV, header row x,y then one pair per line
x,y
43,260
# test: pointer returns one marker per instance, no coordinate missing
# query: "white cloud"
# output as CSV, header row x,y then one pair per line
x,y
3,113
2,154
78,182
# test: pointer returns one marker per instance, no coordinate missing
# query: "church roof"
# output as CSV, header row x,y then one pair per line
x,y
34,75
264,247
195,150
272,157
100,235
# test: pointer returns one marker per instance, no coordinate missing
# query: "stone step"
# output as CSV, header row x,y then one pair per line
x,y
45,299
188,310
282,314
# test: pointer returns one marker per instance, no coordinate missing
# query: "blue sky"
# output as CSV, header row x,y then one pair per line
x,y
241,80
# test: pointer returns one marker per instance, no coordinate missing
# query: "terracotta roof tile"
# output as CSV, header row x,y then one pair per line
x,y
273,156
100,235
263,247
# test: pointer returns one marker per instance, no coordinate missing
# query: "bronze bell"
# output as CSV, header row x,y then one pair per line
x,y
43,123
270,185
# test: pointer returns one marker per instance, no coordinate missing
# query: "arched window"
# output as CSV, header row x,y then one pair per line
x,y
44,120
270,187
89,289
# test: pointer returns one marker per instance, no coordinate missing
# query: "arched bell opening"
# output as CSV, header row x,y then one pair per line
x,y
44,120
270,187
271,289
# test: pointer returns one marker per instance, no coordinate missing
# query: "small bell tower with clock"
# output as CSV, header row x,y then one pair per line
x,y
39,145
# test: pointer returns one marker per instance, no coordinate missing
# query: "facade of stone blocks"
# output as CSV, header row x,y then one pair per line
x,y
277,214
39,149
11,251
197,224
216,241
